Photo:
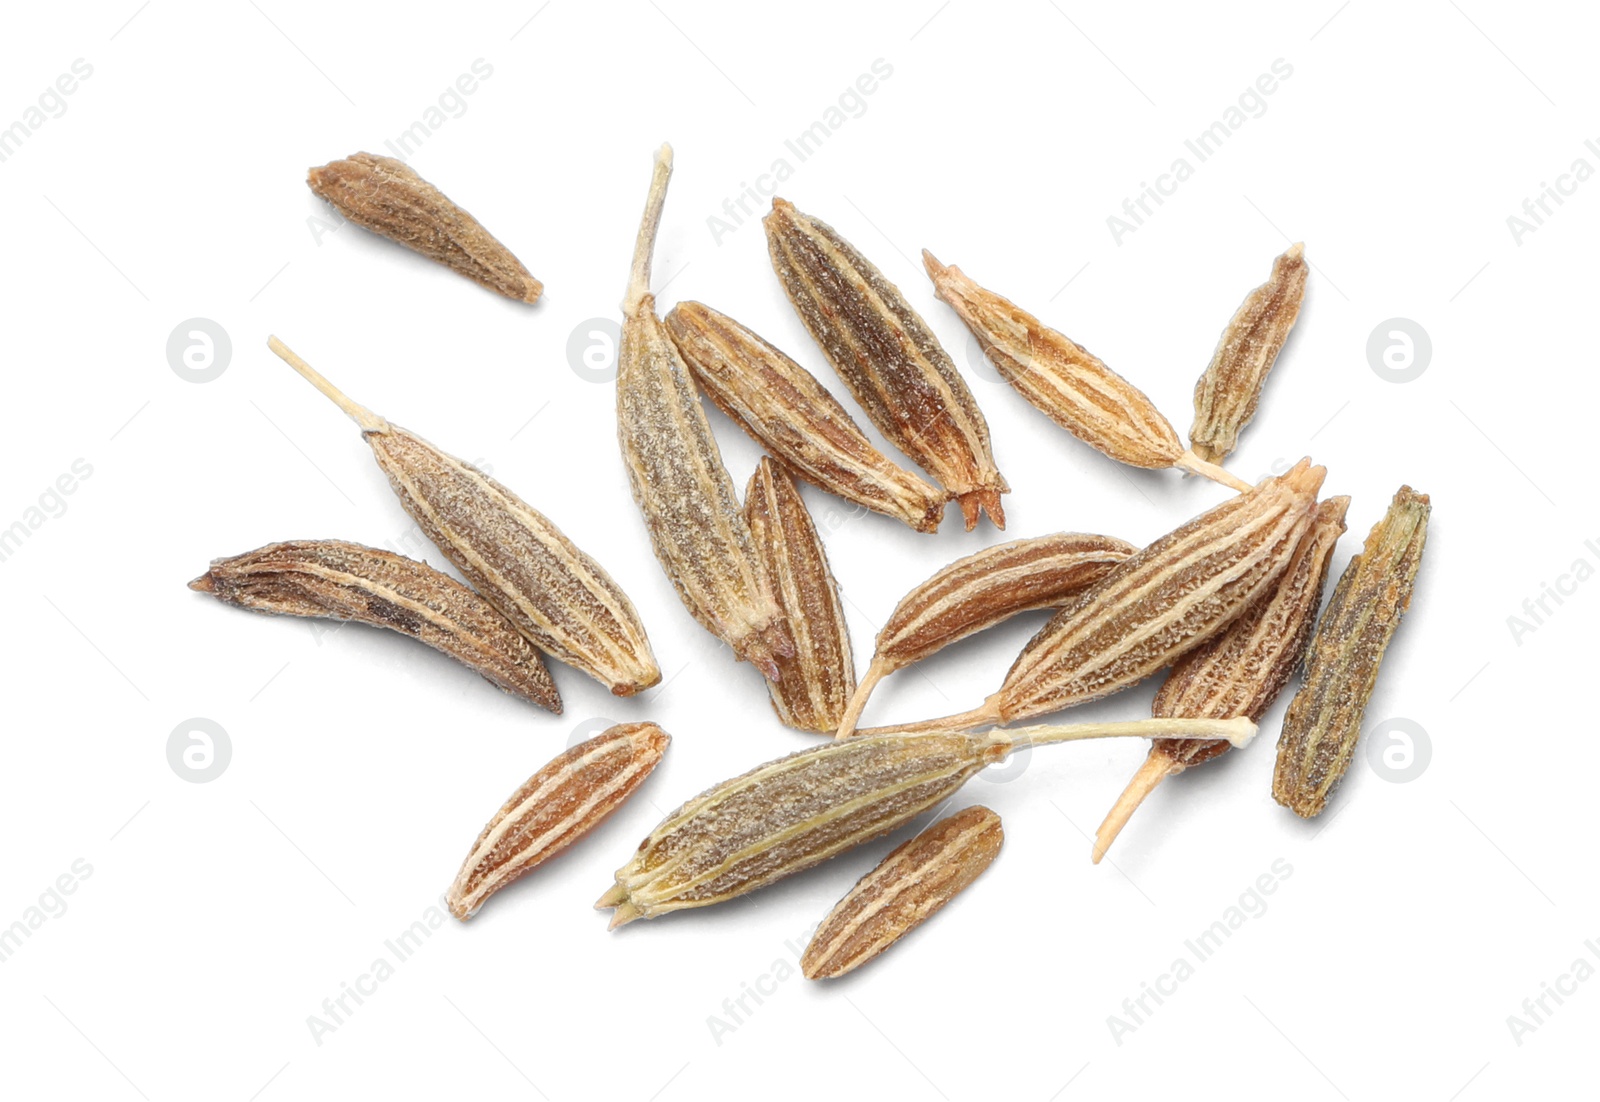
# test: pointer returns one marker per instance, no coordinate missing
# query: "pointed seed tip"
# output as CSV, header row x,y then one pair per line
x,y
203,584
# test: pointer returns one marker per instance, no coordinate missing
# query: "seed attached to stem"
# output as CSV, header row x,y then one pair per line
x,y
907,888
569,797
888,357
980,591
1062,379
510,552
1239,672
1323,723
790,814
387,197
335,580
1225,397
787,411
1155,606
690,506
814,685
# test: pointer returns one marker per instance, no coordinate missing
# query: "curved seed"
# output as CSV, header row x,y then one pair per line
x,y
982,590
511,553
1225,397
335,580
815,684
387,197
888,357
1323,723
563,801
787,411
1062,379
690,506
907,888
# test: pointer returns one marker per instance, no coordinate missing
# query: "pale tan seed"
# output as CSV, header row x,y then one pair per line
x,y
563,801
1241,671
888,357
1062,379
787,411
335,580
689,503
815,684
1156,605
907,888
981,590
511,553
1323,723
387,197
1225,397
790,814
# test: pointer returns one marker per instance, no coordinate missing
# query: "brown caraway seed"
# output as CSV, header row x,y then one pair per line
x,y
689,503
981,590
387,197
907,888
563,801
1156,605
790,814
787,411
1225,397
1062,379
335,580
511,553
888,357
1239,672
1323,723
815,684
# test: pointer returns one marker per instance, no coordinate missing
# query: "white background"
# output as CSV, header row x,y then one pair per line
x,y
218,916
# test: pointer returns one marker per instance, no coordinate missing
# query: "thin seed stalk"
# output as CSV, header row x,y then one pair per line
x,y
688,501
796,812
1239,672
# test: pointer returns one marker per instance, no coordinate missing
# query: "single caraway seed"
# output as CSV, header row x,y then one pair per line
x,y
1154,606
335,580
980,591
387,197
814,685
790,814
907,888
1239,672
1071,386
785,409
521,563
559,804
689,502
888,357
1324,718
1225,397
